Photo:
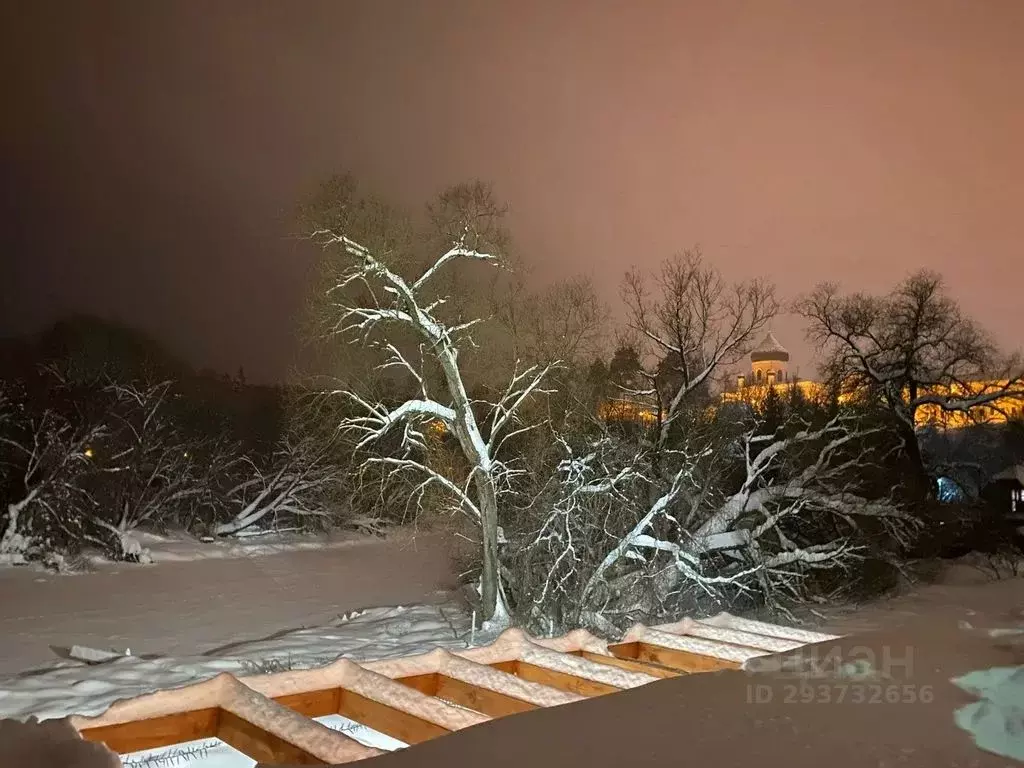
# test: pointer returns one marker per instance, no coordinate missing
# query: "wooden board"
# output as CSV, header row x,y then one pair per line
x,y
562,680
480,699
508,667
156,732
647,667
669,657
313,703
388,720
423,683
259,745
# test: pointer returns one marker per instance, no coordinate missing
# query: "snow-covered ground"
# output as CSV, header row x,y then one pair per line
x,y
248,606
199,598
376,633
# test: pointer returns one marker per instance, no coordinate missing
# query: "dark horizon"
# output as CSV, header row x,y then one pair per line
x,y
154,150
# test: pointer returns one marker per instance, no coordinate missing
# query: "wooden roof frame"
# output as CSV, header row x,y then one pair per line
x,y
416,698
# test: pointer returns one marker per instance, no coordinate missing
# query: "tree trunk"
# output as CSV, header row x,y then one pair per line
x,y
488,503
922,485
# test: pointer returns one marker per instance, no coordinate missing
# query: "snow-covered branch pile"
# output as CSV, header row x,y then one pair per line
x,y
87,464
701,502
293,486
145,471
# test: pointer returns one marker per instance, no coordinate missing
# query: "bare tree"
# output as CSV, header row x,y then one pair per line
x,y
564,322
420,332
146,470
618,492
914,350
46,457
294,486
692,324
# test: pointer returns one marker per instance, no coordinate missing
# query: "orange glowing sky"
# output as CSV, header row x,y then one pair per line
x,y
156,146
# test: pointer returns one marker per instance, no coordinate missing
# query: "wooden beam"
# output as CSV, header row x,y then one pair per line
x,y
562,680
156,732
313,703
480,699
508,667
647,667
669,657
423,683
625,650
393,722
259,745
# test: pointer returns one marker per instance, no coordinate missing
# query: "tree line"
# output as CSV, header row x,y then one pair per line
x,y
467,392
598,475
103,434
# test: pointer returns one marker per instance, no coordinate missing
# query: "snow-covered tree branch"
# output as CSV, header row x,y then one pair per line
x,y
146,470
45,457
293,484
799,505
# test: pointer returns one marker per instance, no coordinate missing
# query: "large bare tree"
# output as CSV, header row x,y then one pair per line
x,y
912,349
415,313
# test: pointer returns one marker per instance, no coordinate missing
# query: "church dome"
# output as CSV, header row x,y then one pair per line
x,y
769,349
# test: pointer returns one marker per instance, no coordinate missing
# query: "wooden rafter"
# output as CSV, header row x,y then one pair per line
x,y
418,698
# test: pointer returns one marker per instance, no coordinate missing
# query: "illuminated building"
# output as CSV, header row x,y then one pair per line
x,y
770,370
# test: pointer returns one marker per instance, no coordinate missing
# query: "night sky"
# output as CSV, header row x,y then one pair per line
x,y
152,150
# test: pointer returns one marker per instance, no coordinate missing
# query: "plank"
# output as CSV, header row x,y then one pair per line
x,y
260,745
682,660
562,680
312,703
647,667
480,699
156,732
388,720
423,683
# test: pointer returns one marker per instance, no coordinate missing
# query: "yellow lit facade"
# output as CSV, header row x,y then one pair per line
x,y
626,410
769,362
769,370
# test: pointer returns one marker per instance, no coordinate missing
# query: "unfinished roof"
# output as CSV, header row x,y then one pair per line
x,y
769,349
419,698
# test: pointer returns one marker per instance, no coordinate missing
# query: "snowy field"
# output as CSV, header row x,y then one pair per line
x,y
376,633
188,619
222,595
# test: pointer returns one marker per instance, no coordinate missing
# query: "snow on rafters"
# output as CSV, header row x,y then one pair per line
x,y
411,699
